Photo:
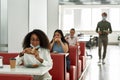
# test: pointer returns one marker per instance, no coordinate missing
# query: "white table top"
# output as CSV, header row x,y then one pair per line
x,y
23,70
84,38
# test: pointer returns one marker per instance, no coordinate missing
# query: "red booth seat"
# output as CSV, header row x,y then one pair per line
x,y
74,58
82,48
82,55
58,71
6,60
7,56
83,62
15,77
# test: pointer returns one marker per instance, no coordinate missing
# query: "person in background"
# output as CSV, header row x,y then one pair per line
x,y
103,29
59,45
36,47
71,39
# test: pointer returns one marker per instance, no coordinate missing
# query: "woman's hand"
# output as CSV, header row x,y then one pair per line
x,y
30,51
58,39
37,56
27,50
36,53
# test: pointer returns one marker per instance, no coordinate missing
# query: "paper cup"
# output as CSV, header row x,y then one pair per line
x,y
12,63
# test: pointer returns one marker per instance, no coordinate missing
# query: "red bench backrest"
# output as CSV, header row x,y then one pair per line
x,y
7,56
59,68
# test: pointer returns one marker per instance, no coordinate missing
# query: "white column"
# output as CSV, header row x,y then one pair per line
x,y
38,15
3,26
52,17
43,14
17,24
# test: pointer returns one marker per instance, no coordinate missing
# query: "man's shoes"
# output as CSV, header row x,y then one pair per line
x,y
103,61
99,62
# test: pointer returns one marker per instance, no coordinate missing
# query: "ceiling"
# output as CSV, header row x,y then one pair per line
x,y
89,2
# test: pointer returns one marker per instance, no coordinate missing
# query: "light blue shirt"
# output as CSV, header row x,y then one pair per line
x,y
58,48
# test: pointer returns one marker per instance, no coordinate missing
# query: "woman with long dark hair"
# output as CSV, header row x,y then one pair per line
x,y
60,45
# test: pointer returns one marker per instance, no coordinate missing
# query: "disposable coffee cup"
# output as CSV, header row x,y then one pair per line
x,y
12,63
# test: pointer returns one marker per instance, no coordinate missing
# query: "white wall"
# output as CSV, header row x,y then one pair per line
x,y
52,17
43,14
32,14
38,15
17,24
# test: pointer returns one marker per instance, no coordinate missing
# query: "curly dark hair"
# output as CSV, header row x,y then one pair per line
x,y
62,36
44,41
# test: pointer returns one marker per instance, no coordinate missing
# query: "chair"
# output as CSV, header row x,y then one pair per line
x,y
58,71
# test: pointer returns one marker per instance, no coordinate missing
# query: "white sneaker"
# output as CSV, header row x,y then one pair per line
x,y
99,62
103,62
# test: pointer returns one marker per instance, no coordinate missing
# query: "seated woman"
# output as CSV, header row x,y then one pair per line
x,y
36,51
60,45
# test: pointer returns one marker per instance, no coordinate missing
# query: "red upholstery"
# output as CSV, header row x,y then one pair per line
x,y
82,55
73,55
58,71
74,58
7,56
15,77
67,76
73,74
82,48
83,62
6,60
79,68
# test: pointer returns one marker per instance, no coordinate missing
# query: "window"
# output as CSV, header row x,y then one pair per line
x,y
85,18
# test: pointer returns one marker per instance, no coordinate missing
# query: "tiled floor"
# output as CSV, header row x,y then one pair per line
x,y
110,70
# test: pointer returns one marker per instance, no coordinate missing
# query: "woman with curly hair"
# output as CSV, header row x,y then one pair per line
x,y
36,51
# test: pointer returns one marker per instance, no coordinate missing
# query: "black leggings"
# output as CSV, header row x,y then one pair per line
x,y
68,63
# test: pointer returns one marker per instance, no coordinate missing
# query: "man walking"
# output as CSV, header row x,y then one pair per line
x,y
103,29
